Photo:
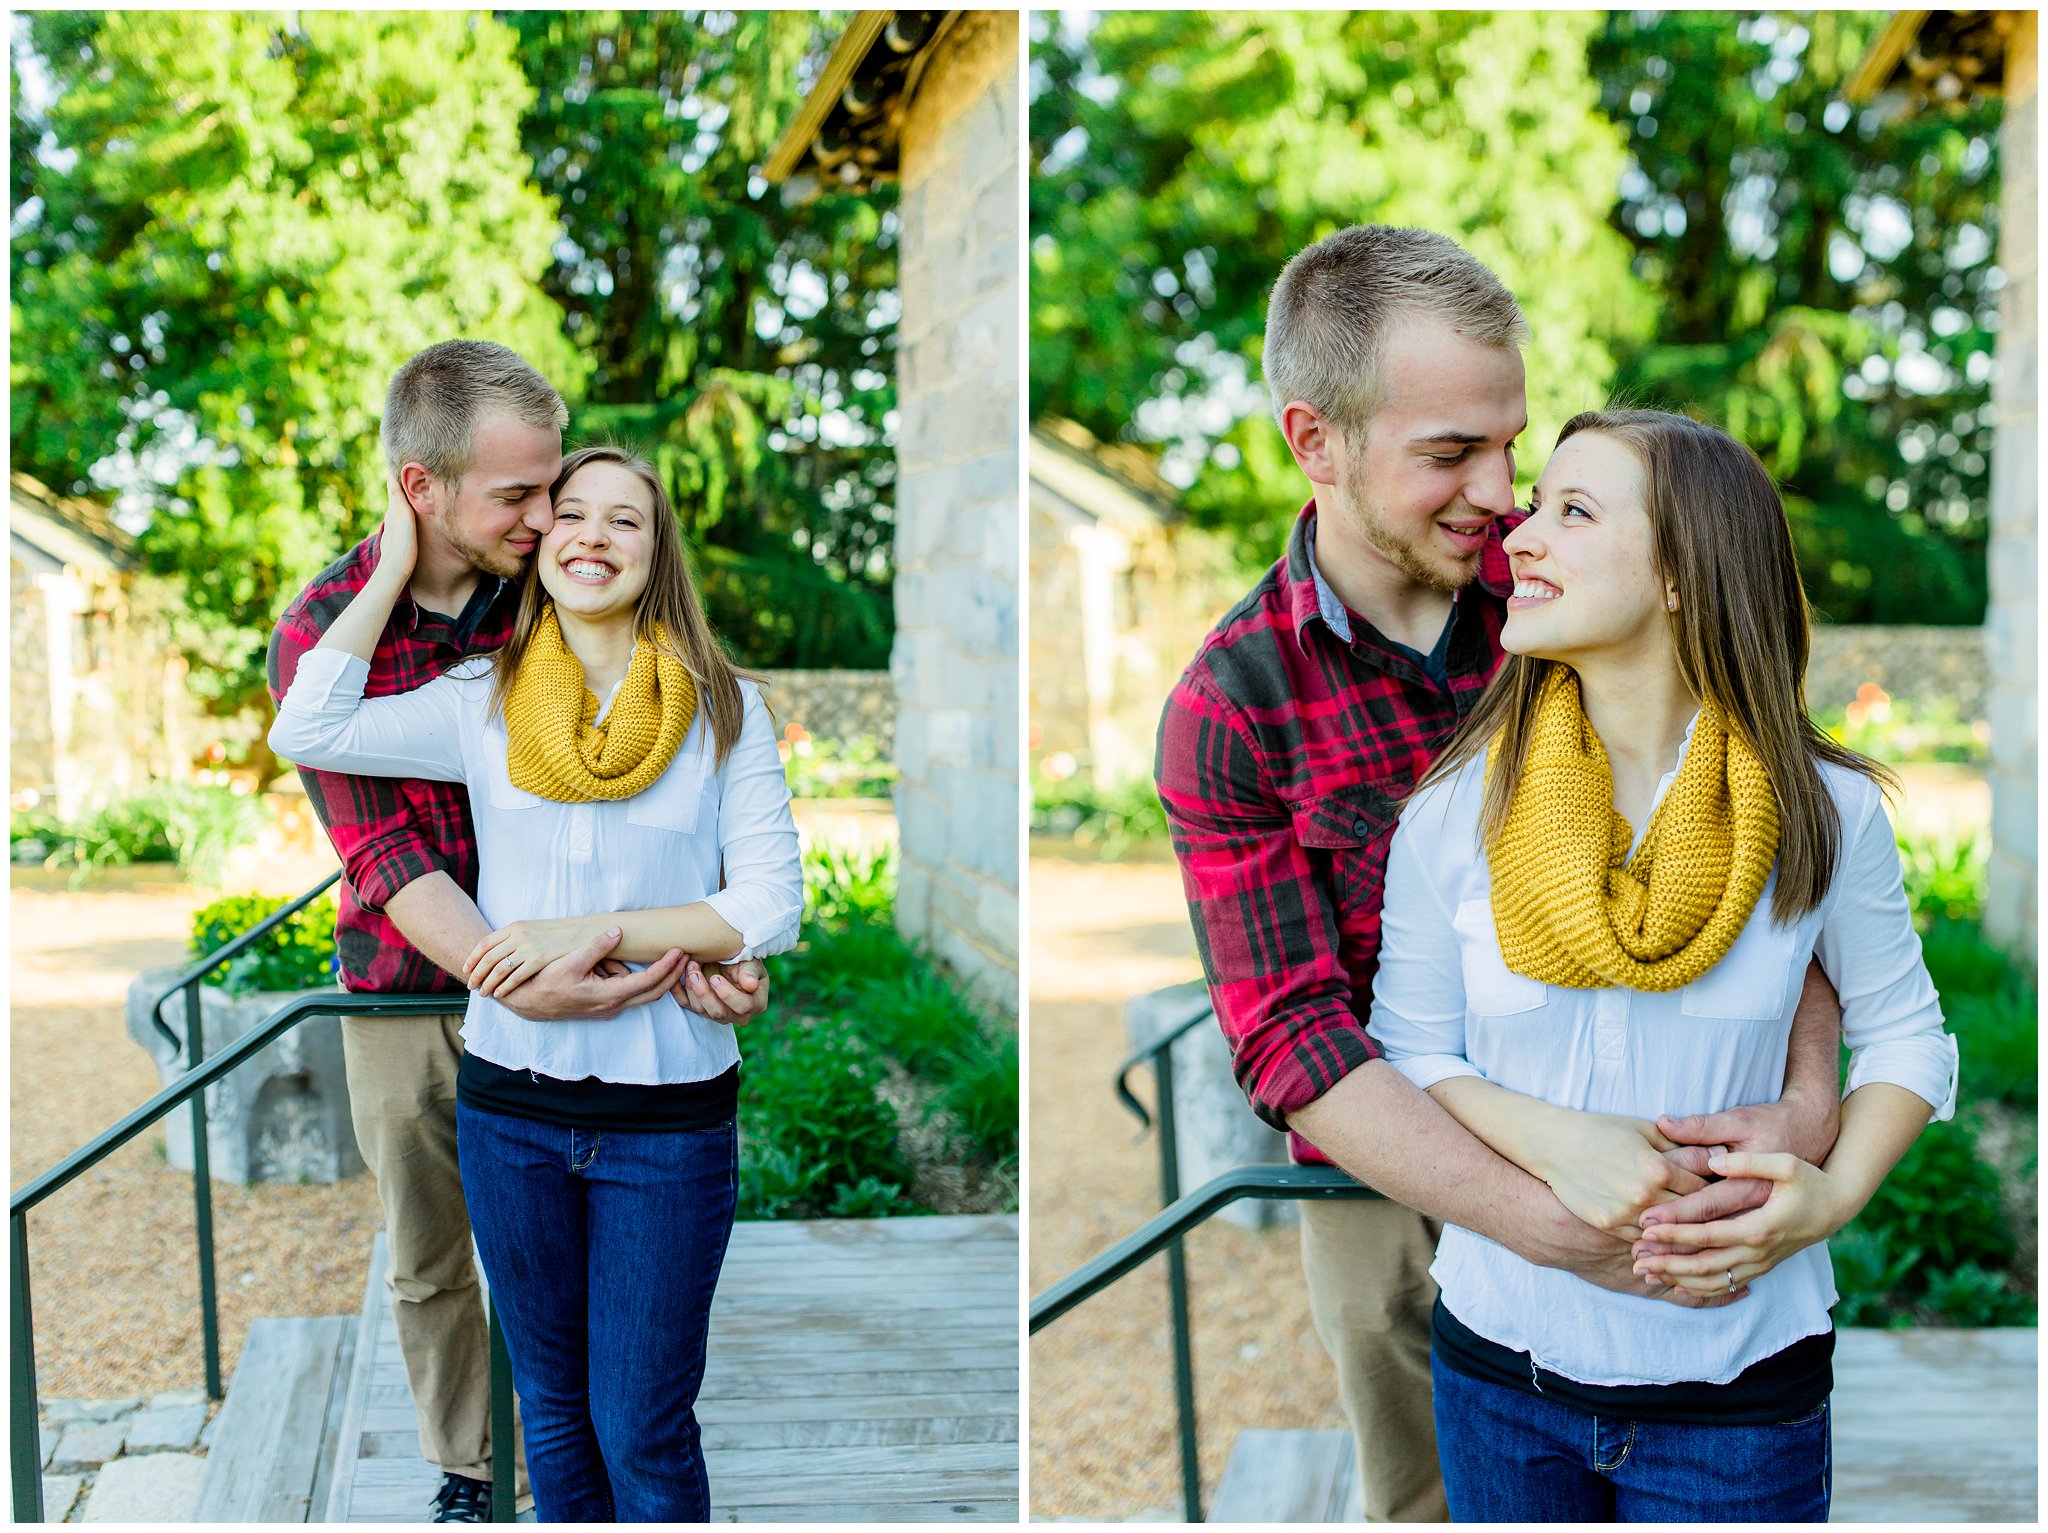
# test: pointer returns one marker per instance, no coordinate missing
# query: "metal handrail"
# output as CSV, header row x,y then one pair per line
x,y
1264,1183
1152,1052
192,1045
1164,1232
1159,1054
232,949
26,1446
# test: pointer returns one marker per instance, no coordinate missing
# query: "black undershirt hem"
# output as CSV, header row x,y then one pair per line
x,y
1782,1387
622,1107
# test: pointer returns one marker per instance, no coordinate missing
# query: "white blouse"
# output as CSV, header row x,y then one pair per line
x,y
540,859
1445,1003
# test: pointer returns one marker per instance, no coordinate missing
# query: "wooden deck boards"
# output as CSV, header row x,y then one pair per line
x,y
1929,1426
860,1371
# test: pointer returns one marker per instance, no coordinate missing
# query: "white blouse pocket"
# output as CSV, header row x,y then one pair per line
x,y
498,788
675,801
1492,989
1754,980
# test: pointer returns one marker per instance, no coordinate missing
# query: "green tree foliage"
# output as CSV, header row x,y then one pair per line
x,y
747,345
1180,158
236,226
1826,289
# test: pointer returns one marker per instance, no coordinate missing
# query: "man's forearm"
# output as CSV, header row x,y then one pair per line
x,y
1813,1056
436,917
1393,1137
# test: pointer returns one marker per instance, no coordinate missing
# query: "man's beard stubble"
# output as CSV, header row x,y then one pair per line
x,y
1404,553
501,561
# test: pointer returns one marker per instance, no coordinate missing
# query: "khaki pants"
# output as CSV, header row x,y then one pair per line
x,y
1370,1291
401,1086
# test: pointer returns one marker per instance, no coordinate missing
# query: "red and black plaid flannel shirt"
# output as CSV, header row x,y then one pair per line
x,y
1284,755
389,830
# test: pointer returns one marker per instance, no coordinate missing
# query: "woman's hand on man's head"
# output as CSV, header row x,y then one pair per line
x,y
399,549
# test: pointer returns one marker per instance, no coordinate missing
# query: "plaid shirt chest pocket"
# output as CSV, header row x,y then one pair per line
x,y
1346,832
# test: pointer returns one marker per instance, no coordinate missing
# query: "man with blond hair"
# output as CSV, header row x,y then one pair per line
x,y
473,440
1393,363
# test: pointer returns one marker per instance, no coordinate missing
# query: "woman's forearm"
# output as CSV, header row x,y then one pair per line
x,y
1880,1121
362,621
645,935
1515,1127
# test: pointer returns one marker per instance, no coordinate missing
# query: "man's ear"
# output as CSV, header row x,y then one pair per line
x,y
1308,438
418,486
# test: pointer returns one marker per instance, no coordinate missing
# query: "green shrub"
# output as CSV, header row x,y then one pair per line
x,y
919,1018
1108,819
842,885
1945,874
1993,1009
1998,1037
1960,961
297,955
1900,731
815,1136
838,965
980,1090
194,825
1932,1244
855,767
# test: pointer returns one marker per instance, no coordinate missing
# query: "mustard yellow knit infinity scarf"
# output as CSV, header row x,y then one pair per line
x,y
557,749
1573,908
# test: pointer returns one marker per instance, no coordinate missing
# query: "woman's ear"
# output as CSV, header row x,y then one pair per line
x,y
1670,596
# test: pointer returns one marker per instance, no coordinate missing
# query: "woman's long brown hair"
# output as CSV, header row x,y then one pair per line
x,y
1719,535
669,600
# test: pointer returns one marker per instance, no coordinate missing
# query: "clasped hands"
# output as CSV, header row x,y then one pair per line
x,y
1647,1183
557,969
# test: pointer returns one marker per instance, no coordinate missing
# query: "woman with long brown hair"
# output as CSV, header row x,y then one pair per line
x,y
1600,905
616,762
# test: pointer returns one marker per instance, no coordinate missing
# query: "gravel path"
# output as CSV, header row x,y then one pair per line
x,y
113,1262
1102,1420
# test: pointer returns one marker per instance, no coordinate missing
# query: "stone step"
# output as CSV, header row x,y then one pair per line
x,y
280,1421
1294,1475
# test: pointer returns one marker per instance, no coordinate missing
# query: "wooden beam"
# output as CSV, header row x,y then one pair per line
x,y
847,53
1877,65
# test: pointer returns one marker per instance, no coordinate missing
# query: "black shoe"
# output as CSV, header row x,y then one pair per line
x,y
461,1499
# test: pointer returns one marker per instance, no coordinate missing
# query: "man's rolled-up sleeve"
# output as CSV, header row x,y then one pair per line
x,y
369,820
1263,918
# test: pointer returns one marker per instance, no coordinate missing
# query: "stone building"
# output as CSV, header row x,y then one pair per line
x,y
98,692
1122,594
1920,62
933,99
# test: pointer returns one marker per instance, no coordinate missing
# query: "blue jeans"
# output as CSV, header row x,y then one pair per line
x,y
602,1250
1513,1457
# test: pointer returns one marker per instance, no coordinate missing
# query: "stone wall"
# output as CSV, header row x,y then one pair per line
x,y
834,705
2011,628
99,700
958,355
1117,611
1917,664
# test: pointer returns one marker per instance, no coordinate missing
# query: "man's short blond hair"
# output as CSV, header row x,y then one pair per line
x,y
1333,305
436,399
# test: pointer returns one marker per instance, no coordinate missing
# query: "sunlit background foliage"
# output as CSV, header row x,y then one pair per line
x,y
229,228
1689,212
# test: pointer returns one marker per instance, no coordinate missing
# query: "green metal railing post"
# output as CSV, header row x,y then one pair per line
x,y
504,1432
1177,1290
27,1455
25,1451
202,1197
